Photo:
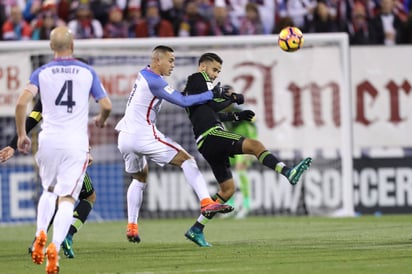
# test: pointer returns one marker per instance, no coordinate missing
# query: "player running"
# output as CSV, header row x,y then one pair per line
x,y
87,197
65,86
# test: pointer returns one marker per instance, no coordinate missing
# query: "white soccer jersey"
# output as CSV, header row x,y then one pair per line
x,y
145,101
65,86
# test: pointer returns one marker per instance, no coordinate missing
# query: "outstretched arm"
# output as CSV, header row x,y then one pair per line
x,y
161,89
176,97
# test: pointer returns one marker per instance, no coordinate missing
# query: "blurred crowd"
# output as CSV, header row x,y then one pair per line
x,y
384,22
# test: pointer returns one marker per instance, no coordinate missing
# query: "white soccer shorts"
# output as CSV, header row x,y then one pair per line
x,y
62,169
154,145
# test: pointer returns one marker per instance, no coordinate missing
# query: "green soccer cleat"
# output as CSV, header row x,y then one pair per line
x,y
297,170
67,246
197,237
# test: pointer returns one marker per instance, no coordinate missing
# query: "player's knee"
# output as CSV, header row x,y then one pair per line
x,y
252,146
67,198
181,157
140,176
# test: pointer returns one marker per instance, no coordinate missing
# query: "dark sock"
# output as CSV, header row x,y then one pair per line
x,y
217,197
272,162
285,170
198,227
268,159
81,212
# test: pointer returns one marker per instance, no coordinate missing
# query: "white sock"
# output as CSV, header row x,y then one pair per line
x,y
195,179
62,222
45,210
134,200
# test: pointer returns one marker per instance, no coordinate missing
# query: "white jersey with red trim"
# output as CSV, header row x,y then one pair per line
x,y
65,86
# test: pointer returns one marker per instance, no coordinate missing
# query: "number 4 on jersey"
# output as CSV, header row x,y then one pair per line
x,y
66,88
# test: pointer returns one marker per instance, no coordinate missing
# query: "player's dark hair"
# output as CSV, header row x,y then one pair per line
x,y
210,56
163,49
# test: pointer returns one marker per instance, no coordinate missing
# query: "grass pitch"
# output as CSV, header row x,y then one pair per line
x,y
255,245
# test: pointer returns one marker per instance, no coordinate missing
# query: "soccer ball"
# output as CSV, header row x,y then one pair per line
x,y
290,39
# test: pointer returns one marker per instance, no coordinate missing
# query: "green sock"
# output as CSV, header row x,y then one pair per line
x,y
245,188
80,215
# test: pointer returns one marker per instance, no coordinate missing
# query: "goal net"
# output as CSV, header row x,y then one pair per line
x,y
302,106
